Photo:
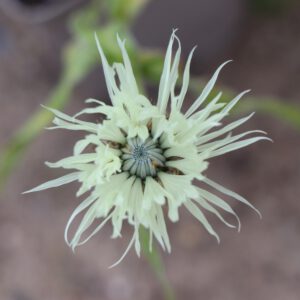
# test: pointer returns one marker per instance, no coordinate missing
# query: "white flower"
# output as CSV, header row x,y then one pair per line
x,y
149,158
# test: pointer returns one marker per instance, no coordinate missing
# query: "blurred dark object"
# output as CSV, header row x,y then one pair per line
x,y
36,11
270,7
33,2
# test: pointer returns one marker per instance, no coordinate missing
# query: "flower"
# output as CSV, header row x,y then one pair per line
x,y
149,159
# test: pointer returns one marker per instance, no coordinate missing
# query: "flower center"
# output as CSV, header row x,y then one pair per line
x,y
142,158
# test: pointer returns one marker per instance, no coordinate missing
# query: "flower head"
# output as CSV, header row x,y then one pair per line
x,y
149,159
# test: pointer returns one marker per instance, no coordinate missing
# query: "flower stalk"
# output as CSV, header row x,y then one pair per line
x,y
155,261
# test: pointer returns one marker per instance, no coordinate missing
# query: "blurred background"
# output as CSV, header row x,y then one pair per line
x,y
47,53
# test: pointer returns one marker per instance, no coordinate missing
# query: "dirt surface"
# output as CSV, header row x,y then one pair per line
x,y
262,262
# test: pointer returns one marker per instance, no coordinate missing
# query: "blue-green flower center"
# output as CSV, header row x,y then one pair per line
x,y
142,158
140,154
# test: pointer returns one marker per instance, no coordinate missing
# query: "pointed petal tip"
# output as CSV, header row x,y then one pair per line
x,y
194,48
239,224
266,138
47,107
259,214
120,41
112,266
125,252
174,30
230,225
173,35
224,64
26,192
95,36
98,42
245,92
256,210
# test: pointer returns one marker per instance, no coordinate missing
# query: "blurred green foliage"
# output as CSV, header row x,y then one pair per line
x,y
270,7
125,11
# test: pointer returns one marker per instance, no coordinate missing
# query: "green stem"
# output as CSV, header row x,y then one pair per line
x,y
289,113
155,261
274,107
11,155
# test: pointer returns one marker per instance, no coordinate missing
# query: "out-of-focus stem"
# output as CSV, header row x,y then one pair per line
x,y
11,155
155,261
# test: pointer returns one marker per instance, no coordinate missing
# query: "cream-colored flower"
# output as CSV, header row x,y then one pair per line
x,y
149,158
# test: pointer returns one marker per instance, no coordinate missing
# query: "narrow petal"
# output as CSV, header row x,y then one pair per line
x,y
163,228
185,80
108,72
205,138
69,119
96,230
73,160
85,223
55,182
210,108
228,140
206,91
211,209
153,193
233,102
165,81
238,145
81,145
134,237
219,203
132,85
198,214
230,193
81,207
